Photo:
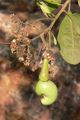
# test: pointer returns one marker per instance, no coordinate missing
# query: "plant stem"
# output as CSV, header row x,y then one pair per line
x,y
54,20
59,13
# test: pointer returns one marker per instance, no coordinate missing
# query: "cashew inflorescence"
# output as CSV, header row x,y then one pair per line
x,y
45,87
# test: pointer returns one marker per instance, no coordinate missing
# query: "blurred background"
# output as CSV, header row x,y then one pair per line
x,y
18,76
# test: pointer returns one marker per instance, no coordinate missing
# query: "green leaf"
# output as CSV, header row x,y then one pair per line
x,y
79,2
47,6
46,10
53,1
69,38
52,4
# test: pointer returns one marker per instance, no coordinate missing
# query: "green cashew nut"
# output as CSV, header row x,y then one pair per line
x,y
48,91
45,87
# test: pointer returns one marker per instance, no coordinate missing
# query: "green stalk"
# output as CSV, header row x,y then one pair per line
x,y
44,76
